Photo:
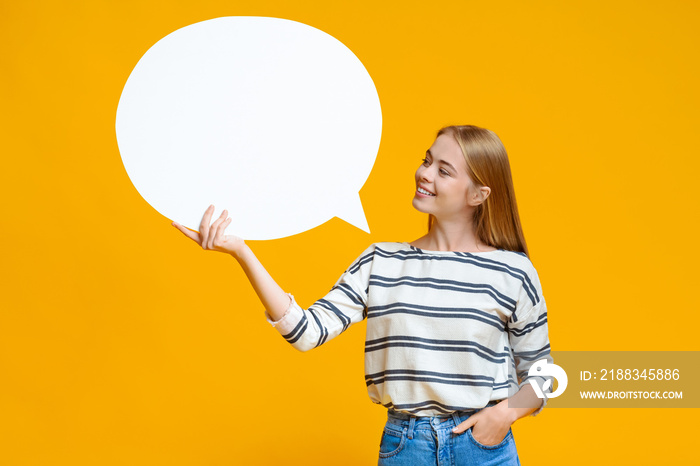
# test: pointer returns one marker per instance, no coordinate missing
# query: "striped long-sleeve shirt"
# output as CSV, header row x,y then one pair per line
x,y
446,331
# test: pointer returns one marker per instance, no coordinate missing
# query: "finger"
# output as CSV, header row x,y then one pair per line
x,y
204,226
214,232
221,236
223,228
462,427
193,235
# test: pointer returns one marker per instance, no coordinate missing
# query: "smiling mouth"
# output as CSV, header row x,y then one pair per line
x,y
423,191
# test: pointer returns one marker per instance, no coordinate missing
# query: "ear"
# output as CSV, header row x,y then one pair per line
x,y
479,196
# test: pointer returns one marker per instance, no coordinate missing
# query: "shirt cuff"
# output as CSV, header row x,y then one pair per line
x,y
274,323
544,400
537,411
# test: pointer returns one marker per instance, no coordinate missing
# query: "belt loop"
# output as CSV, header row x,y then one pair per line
x,y
411,425
456,418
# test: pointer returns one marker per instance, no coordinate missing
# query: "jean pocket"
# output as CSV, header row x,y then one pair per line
x,y
503,443
393,440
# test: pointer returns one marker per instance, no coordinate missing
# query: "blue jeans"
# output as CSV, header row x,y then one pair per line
x,y
429,441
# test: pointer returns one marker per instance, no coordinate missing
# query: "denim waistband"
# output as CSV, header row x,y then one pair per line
x,y
399,415
409,422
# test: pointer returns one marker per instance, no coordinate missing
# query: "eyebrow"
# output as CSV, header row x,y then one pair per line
x,y
441,161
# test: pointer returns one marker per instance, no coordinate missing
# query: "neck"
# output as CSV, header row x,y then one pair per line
x,y
453,236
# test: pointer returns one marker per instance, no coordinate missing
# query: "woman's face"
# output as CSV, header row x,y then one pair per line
x,y
442,182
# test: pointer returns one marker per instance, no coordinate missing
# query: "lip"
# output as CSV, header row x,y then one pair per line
x,y
419,194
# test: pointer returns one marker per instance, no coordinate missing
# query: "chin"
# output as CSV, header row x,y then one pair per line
x,y
418,207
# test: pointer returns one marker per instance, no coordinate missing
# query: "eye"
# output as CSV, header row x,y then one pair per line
x,y
426,162
444,172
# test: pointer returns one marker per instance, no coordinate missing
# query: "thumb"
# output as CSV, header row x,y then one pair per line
x,y
193,235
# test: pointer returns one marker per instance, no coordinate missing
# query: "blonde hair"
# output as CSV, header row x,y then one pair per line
x,y
496,220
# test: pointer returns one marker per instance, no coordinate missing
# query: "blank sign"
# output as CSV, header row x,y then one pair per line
x,y
271,119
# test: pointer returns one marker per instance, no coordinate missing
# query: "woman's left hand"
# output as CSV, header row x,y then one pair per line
x,y
489,426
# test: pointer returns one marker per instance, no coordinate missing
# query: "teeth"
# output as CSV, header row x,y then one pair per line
x,y
423,191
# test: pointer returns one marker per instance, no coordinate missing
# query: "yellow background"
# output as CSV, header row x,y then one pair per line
x,y
122,343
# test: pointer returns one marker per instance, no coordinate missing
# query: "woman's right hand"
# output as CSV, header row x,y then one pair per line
x,y
211,235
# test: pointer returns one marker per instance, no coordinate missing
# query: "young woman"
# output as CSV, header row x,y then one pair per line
x,y
455,319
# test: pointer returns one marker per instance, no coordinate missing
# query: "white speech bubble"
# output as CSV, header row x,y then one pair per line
x,y
271,119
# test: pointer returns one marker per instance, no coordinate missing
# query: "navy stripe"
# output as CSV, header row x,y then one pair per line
x,y
350,293
467,258
429,376
432,404
361,261
455,349
436,342
534,355
529,287
345,320
428,373
427,314
450,285
298,330
529,327
530,353
436,311
322,330
448,282
502,385
301,332
413,378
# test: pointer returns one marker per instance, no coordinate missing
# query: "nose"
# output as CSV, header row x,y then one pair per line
x,y
423,173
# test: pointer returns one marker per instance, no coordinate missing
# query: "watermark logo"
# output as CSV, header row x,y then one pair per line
x,y
542,368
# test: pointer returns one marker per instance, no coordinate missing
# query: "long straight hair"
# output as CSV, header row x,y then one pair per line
x,y
497,220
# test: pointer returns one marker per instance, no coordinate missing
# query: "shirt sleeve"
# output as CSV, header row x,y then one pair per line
x,y
528,333
344,305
